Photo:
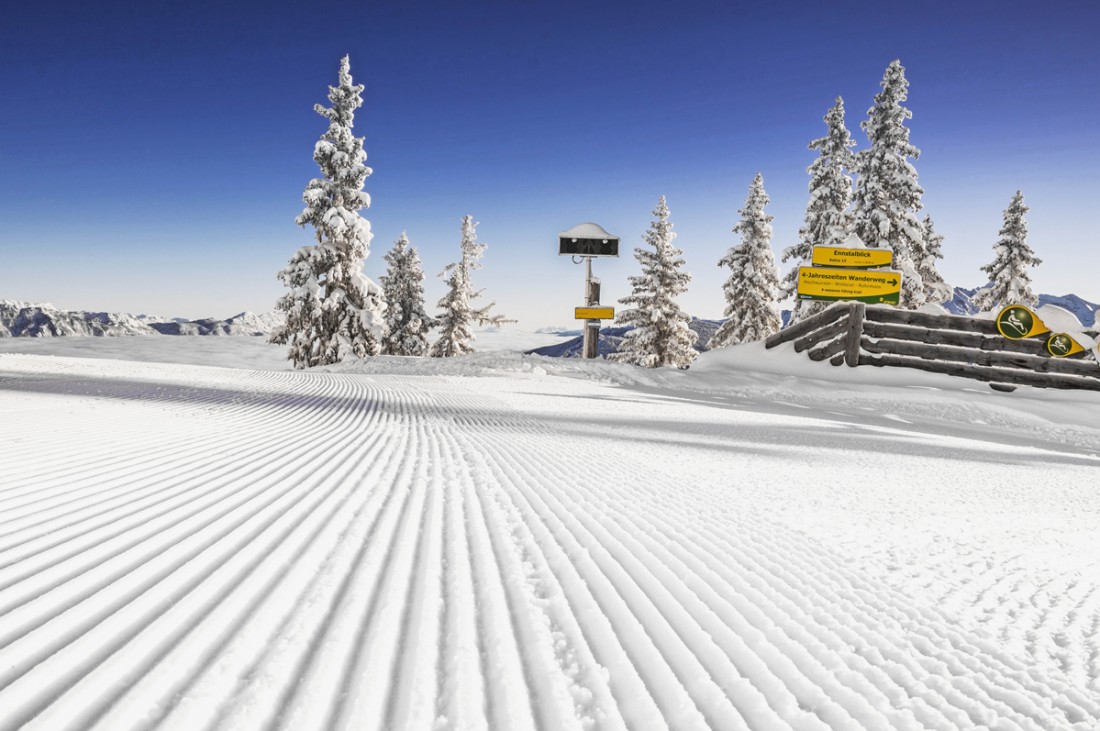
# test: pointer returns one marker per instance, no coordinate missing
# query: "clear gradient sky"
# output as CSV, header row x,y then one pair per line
x,y
153,155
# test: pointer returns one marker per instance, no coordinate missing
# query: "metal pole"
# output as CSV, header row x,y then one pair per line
x,y
589,343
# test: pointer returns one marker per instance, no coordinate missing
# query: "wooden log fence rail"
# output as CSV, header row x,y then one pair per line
x,y
857,334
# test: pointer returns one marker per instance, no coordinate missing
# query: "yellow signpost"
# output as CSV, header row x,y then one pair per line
x,y
1016,322
822,283
595,313
832,256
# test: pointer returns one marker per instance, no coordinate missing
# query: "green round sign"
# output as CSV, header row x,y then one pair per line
x,y
1059,345
1016,322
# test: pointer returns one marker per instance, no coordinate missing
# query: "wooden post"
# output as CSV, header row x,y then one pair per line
x,y
590,347
855,330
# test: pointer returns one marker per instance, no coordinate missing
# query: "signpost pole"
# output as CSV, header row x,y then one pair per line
x,y
591,342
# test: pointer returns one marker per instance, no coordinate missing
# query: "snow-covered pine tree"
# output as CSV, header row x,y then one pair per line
x,y
458,318
751,309
1010,283
661,336
407,323
332,308
828,220
936,291
887,194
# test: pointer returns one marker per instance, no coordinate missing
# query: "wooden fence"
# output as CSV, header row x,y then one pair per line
x,y
857,334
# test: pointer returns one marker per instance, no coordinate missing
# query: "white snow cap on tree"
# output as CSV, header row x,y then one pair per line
x,y
661,336
887,195
828,220
458,318
1010,282
407,323
753,284
936,291
332,309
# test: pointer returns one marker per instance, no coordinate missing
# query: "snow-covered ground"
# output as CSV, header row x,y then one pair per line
x,y
507,542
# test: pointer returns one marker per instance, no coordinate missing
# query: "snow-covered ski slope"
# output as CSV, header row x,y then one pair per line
x,y
508,542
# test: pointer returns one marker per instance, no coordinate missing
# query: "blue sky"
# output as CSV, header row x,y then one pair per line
x,y
152,158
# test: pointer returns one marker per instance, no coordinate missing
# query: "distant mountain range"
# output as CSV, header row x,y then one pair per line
x,y
1083,310
960,304
611,337
25,319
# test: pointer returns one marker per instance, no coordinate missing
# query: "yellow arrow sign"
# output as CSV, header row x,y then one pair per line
x,y
831,256
820,283
1016,322
595,313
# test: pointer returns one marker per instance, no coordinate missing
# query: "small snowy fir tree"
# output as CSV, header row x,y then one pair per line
x,y
936,291
458,318
1010,283
661,336
407,323
887,194
751,309
332,309
828,221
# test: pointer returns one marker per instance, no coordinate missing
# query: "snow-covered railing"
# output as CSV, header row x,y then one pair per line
x,y
857,334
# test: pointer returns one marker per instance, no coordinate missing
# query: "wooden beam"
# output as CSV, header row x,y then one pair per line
x,y
829,349
925,319
855,332
985,373
962,339
1035,364
805,325
825,333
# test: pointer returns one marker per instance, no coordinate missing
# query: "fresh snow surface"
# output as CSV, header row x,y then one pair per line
x,y
501,541
587,231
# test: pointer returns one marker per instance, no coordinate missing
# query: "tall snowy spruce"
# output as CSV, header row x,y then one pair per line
x,y
828,222
407,323
661,336
887,194
751,309
332,309
458,318
1010,282
936,290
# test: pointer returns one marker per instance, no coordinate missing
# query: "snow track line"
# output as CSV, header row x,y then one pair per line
x,y
461,693
501,650
413,703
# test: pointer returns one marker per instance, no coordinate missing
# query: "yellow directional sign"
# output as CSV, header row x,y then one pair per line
x,y
1016,322
821,283
831,256
595,313
1061,345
